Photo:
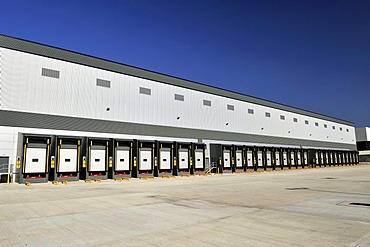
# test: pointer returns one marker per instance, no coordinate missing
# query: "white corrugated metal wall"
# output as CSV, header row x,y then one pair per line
x,y
75,93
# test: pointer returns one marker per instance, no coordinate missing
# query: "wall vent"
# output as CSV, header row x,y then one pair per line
x,y
230,107
103,83
207,102
179,97
144,90
50,73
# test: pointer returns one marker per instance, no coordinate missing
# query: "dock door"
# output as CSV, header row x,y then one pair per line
x,y
250,163
269,162
199,158
36,158
226,159
95,158
285,161
121,153
238,160
184,159
66,165
260,159
144,159
277,159
164,156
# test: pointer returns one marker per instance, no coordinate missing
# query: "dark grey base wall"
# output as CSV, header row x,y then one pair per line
x,y
44,121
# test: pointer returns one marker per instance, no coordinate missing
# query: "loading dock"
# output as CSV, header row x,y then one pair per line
x,y
144,160
221,154
199,158
260,160
250,159
305,158
293,159
183,159
285,160
268,159
299,158
121,155
66,159
340,159
277,154
164,154
238,159
33,162
95,158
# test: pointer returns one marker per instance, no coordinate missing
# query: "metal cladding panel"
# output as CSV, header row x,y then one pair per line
x,y
76,94
97,160
183,159
277,158
226,157
239,159
199,156
249,159
259,159
68,160
123,160
145,162
35,160
88,61
164,159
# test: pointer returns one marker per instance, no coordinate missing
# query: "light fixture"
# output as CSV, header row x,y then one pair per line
x,y
108,109
262,128
227,124
178,118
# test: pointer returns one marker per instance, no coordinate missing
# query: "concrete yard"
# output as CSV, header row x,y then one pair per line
x,y
288,208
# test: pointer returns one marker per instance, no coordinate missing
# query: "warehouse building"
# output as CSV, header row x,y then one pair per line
x,y
363,144
70,116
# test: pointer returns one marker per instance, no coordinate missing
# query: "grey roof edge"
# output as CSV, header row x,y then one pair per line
x,y
56,122
91,61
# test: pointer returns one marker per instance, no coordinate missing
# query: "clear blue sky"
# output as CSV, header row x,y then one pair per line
x,y
313,55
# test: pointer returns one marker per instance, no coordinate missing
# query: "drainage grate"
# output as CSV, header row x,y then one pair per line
x,y
360,204
298,188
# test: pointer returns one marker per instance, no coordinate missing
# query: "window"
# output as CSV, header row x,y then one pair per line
x,y
207,102
250,111
50,73
316,124
282,117
333,127
295,120
267,114
325,126
347,130
340,129
306,122
146,91
179,97
102,83
230,107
